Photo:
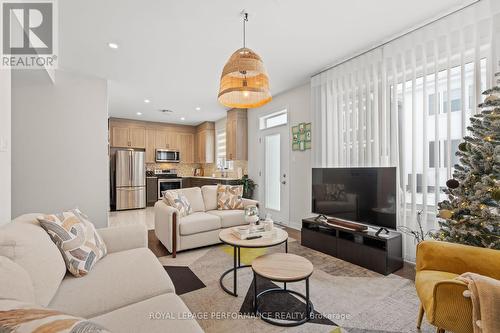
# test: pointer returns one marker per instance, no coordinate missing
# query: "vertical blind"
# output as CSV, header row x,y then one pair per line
x,y
407,104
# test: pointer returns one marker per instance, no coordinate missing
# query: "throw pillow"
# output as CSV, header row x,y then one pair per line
x,y
179,201
18,317
229,197
75,236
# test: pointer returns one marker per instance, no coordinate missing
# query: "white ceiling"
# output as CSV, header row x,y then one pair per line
x,y
172,52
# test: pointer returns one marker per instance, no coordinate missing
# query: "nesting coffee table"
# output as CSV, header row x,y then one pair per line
x,y
279,237
282,267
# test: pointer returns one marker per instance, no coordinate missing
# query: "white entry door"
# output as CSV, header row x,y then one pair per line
x,y
274,146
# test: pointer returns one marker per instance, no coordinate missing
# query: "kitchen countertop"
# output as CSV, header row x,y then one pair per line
x,y
208,177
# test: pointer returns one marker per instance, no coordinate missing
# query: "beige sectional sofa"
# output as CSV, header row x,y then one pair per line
x,y
121,293
200,228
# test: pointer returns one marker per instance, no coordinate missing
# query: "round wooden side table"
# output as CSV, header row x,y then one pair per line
x,y
226,236
282,267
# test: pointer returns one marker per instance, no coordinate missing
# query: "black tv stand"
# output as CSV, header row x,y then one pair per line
x,y
382,254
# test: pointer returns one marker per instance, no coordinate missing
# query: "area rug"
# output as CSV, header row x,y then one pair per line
x,y
346,297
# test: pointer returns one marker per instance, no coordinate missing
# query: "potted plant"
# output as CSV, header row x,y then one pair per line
x,y
248,187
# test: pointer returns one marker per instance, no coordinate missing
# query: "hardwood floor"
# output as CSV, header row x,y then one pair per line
x,y
146,217
156,246
407,272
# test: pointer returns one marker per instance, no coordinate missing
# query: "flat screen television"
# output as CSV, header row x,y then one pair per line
x,y
364,195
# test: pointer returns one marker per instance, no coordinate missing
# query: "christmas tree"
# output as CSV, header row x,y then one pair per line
x,y
471,214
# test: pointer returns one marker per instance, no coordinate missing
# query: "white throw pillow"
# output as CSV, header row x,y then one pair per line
x,y
76,238
179,201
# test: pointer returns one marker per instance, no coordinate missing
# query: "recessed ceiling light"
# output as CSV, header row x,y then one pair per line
x,y
139,113
113,45
147,101
182,118
198,108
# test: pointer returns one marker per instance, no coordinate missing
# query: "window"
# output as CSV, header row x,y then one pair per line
x,y
432,162
456,102
220,151
272,167
273,120
426,86
431,105
453,156
443,153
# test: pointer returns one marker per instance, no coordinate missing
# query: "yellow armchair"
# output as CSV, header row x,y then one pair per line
x,y
441,296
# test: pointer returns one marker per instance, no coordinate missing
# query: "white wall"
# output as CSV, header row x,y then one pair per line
x,y
59,144
5,146
298,103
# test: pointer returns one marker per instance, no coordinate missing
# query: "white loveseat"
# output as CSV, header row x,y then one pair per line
x,y
122,291
202,226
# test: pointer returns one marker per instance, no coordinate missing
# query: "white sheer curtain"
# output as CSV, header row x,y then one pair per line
x,y
407,104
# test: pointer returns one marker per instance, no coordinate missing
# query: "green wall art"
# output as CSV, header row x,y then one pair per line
x,y
301,136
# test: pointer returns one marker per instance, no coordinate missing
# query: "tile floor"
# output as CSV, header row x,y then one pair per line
x,y
136,216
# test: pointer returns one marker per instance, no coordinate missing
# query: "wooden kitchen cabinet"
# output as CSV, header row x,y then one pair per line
x,y
150,146
129,137
161,139
137,137
119,136
237,135
186,147
205,139
125,133
166,139
199,182
173,140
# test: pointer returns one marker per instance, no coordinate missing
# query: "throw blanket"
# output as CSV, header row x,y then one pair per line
x,y
485,295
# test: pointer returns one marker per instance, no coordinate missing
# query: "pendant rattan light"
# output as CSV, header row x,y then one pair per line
x,y
244,82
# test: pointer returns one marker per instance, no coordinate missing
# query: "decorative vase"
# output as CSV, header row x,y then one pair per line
x,y
251,216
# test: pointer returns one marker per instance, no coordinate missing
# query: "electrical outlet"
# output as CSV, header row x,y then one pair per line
x,y
4,145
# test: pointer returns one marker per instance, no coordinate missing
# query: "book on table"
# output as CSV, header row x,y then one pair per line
x,y
246,231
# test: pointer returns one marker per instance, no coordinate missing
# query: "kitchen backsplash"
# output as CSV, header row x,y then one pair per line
x,y
187,169
211,168
183,169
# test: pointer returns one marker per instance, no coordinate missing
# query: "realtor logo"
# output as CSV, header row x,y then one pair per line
x,y
28,34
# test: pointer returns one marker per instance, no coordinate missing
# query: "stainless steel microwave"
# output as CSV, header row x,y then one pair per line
x,y
167,156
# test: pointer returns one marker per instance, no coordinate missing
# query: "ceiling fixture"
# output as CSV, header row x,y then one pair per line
x,y
182,118
244,82
113,45
165,111
198,108
147,101
139,113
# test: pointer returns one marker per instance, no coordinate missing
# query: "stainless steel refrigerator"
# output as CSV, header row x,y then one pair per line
x,y
130,179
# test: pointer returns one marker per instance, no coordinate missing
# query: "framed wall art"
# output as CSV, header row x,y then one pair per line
x,y
301,136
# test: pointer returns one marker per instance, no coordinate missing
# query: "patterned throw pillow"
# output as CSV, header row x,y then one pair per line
x,y
179,201
229,197
19,317
75,236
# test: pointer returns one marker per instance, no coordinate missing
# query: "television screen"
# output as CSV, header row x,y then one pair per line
x,y
365,195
